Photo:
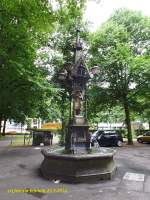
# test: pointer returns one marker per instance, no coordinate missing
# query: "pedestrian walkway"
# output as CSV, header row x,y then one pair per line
x,y
19,169
5,141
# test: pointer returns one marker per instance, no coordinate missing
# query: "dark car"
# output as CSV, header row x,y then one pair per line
x,y
107,138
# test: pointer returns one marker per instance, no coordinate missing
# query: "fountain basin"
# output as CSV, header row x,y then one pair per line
x,y
77,168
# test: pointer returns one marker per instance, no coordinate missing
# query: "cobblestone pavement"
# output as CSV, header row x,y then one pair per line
x,y
19,168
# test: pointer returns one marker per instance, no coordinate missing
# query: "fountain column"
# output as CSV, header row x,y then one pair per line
x,y
77,138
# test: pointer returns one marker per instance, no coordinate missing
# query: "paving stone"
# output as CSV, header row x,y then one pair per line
x,y
131,195
132,185
4,143
133,176
147,185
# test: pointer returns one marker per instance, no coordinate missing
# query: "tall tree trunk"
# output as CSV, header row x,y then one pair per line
x,y
0,126
128,120
4,127
62,119
149,125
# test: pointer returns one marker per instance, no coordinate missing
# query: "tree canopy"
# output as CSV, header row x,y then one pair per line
x,y
121,49
26,26
36,41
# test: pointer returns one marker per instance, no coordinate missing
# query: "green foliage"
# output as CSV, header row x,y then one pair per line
x,y
141,132
106,114
25,26
59,52
120,47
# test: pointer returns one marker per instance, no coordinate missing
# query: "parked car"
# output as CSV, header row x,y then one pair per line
x,y
144,138
107,138
94,136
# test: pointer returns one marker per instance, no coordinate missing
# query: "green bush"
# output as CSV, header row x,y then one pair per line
x,y
141,131
123,132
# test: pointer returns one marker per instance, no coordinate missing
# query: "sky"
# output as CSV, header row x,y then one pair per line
x,y
98,11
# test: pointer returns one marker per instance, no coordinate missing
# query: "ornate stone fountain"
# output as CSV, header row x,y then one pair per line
x,y
77,162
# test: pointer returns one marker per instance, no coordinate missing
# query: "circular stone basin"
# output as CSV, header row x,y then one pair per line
x,y
98,164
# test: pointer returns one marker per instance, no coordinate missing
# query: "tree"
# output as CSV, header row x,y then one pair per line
x,y
24,28
107,115
59,53
141,106
120,48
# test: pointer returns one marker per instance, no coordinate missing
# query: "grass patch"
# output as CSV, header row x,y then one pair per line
x,y
2,138
18,140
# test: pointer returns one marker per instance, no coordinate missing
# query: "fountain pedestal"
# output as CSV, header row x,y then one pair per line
x,y
77,168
